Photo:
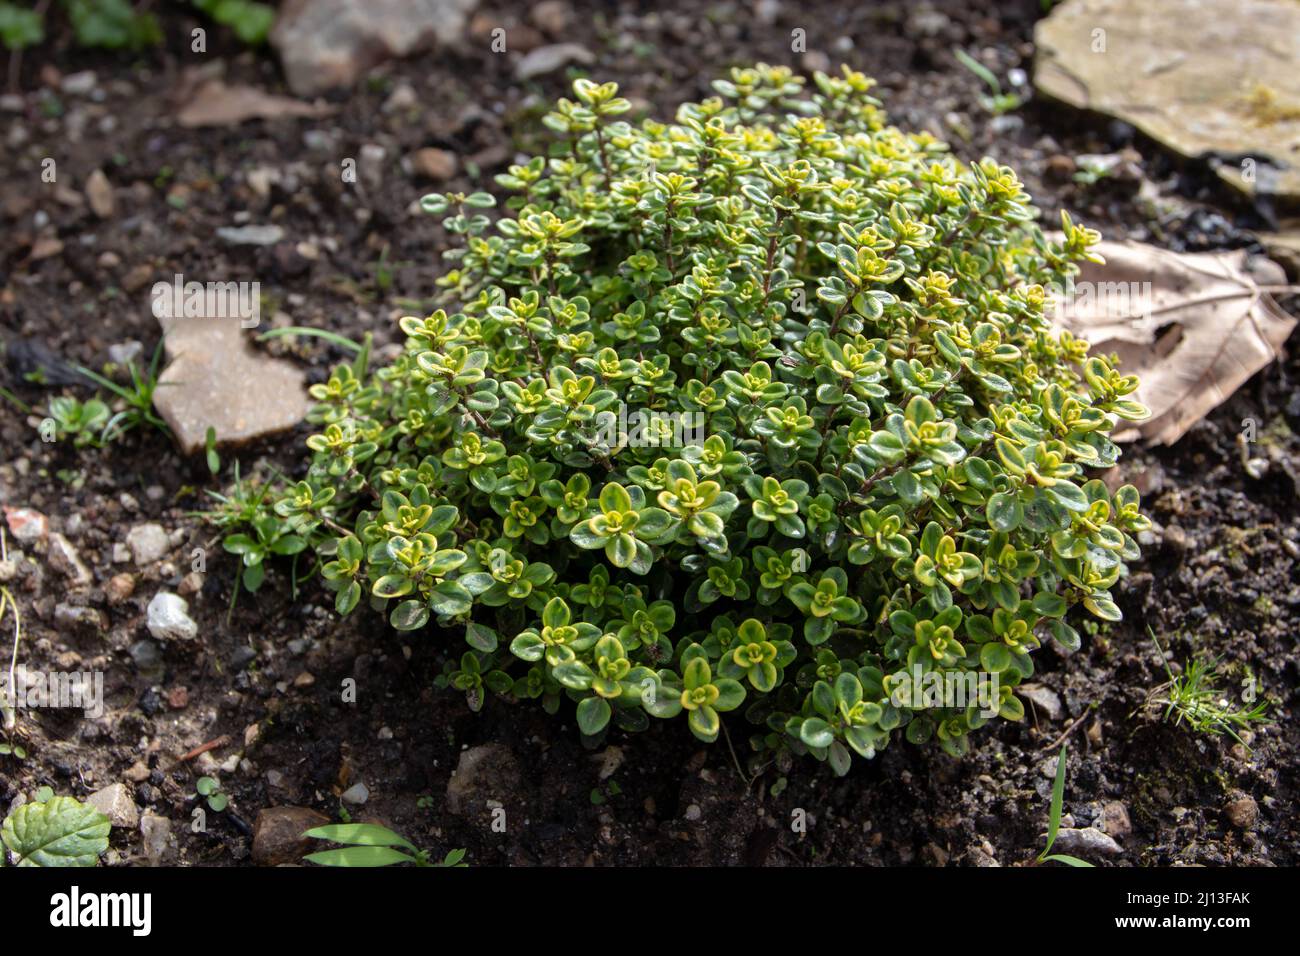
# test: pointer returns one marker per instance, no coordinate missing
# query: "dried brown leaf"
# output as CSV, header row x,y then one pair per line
x,y
1192,326
216,104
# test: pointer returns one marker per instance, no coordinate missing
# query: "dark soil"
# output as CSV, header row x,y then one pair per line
x,y
1218,577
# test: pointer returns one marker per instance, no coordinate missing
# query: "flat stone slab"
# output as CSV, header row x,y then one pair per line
x,y
216,380
329,43
1207,78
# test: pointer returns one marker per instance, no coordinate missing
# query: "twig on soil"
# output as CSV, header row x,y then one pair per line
x,y
734,759
1066,733
204,748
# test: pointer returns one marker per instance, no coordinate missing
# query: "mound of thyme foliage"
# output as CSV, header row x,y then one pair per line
x,y
892,473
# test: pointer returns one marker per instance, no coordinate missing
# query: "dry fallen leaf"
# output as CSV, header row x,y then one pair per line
x,y
1192,326
216,104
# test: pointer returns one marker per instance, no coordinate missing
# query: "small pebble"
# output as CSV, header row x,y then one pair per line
x,y
1242,811
357,794
168,618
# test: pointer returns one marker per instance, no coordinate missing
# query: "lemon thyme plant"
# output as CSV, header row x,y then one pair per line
x,y
886,468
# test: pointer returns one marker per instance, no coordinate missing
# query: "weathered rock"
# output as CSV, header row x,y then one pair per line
x,y
1115,820
1242,811
548,59
251,235
215,380
402,98
551,16
328,43
435,164
1044,699
99,193
1205,79
1060,168
46,247
261,179
935,854
241,657
120,587
64,559
147,657
483,773
82,83
608,761
370,164
148,543
125,353
73,617
978,856
278,834
1124,166
27,525
116,802
169,619
357,794
156,839
1085,840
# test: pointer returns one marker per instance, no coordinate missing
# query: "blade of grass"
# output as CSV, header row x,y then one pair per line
x,y
1058,796
18,403
362,362
979,69
331,337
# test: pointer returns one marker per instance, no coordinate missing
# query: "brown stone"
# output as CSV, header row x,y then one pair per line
x,y
1060,168
137,278
99,193
1115,820
435,164
119,588
46,247
1242,811
278,834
